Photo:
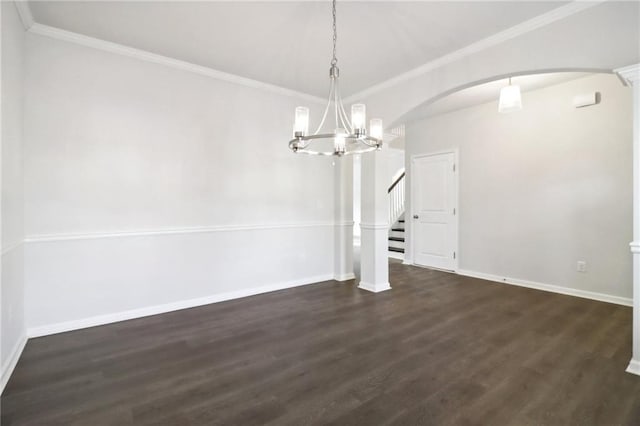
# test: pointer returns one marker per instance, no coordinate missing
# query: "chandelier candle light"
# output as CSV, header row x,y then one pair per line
x,y
349,137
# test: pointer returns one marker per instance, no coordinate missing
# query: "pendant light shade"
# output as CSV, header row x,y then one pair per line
x,y
510,99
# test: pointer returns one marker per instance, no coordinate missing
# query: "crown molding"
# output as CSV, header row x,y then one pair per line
x,y
629,73
493,40
119,49
525,27
25,14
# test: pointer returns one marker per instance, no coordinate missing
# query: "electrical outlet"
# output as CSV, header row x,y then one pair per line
x,y
581,266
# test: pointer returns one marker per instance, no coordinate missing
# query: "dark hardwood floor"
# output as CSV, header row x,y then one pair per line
x,y
436,349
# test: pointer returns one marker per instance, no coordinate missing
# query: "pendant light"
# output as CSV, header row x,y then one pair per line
x,y
510,99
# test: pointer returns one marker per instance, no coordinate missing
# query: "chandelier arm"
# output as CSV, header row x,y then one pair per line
x,y
368,140
342,111
336,103
345,120
374,143
326,110
333,154
362,144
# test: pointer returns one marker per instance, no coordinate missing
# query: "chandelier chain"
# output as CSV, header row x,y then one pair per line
x,y
334,61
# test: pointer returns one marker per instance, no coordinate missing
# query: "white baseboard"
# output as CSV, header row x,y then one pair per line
x,y
62,327
374,288
345,277
634,367
10,364
551,288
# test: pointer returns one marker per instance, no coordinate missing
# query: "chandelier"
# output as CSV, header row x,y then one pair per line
x,y
346,137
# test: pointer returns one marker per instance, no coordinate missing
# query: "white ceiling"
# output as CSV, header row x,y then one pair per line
x,y
289,43
489,92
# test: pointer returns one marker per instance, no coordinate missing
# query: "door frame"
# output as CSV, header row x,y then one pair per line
x,y
456,239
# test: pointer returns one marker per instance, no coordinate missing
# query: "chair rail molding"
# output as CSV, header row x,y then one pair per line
x,y
631,74
43,238
7,248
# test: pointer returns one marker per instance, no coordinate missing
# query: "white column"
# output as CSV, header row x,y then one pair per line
x,y
374,260
632,75
343,229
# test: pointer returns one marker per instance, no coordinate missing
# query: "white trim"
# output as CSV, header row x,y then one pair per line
x,y
374,226
25,13
345,277
635,247
62,327
634,367
10,247
630,73
12,361
107,46
493,40
43,238
373,287
345,223
407,262
456,174
625,301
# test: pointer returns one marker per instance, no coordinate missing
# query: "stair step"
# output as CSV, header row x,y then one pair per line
x,y
396,239
396,249
401,221
398,229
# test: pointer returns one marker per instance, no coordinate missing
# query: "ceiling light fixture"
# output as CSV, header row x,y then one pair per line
x,y
347,137
510,99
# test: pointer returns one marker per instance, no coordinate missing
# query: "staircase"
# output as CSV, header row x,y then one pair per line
x,y
396,217
396,237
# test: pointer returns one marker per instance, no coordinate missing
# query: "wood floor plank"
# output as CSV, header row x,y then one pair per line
x,y
437,349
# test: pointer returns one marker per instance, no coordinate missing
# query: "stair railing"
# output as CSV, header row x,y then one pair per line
x,y
396,199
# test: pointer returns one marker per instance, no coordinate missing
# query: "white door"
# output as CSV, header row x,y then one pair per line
x,y
434,222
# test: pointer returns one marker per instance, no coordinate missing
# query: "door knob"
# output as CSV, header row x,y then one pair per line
x,y
415,216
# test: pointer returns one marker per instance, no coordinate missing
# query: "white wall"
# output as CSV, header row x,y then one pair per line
x,y
12,295
396,161
147,186
545,187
